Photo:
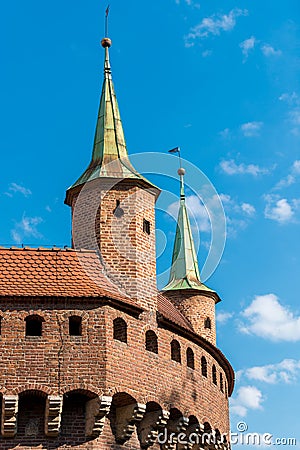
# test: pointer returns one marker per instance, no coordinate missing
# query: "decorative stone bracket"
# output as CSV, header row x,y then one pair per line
x,y
174,427
53,415
96,411
152,423
126,419
193,436
10,405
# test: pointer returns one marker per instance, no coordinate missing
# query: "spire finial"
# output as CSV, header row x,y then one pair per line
x,y
181,173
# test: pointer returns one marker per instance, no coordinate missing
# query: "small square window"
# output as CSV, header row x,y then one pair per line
x,y
146,226
75,326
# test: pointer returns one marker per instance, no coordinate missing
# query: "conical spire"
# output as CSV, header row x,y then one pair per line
x,y
109,157
184,272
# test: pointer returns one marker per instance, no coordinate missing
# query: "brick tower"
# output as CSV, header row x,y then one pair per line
x,y
93,356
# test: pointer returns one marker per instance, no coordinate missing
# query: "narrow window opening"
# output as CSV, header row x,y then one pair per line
x,y
204,366
118,211
146,226
75,326
175,351
214,375
221,383
120,330
34,325
207,323
190,360
151,342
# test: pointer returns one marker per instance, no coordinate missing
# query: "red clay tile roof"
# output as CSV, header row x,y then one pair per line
x,y
54,272
167,309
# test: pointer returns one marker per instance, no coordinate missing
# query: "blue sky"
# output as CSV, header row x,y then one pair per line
x,y
220,79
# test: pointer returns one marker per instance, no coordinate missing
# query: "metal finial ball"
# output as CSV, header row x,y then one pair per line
x,y
106,42
181,171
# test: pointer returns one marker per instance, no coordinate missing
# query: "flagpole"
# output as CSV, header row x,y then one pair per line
x,y
106,21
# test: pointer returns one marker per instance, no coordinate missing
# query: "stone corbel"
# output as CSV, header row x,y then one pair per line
x,y
53,415
149,428
127,417
96,411
9,415
175,427
194,437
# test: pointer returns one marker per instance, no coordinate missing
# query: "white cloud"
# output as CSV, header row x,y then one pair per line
x,y
280,209
247,46
222,317
291,99
206,53
248,209
247,397
225,134
189,3
287,371
214,25
17,188
291,178
26,228
267,318
268,50
251,129
230,167
237,214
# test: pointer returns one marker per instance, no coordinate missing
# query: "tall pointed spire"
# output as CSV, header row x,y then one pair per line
x,y
184,272
109,156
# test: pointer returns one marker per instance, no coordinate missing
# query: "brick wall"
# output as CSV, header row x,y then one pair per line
x,y
94,364
110,218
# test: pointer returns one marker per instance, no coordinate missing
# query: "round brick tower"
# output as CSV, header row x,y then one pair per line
x,y
93,356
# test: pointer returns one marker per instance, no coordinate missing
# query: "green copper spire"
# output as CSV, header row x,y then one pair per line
x,y
109,157
185,270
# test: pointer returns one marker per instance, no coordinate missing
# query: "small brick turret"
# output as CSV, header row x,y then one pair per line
x,y
193,298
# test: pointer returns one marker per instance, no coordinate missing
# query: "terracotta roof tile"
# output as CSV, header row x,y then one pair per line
x,y
36,272
55,272
167,309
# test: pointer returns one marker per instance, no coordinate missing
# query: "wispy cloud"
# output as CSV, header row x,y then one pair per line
x,y
189,3
247,46
266,317
290,98
26,228
238,214
268,50
251,129
223,317
230,167
287,371
207,53
279,209
291,178
247,397
18,188
225,134
214,25
293,117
